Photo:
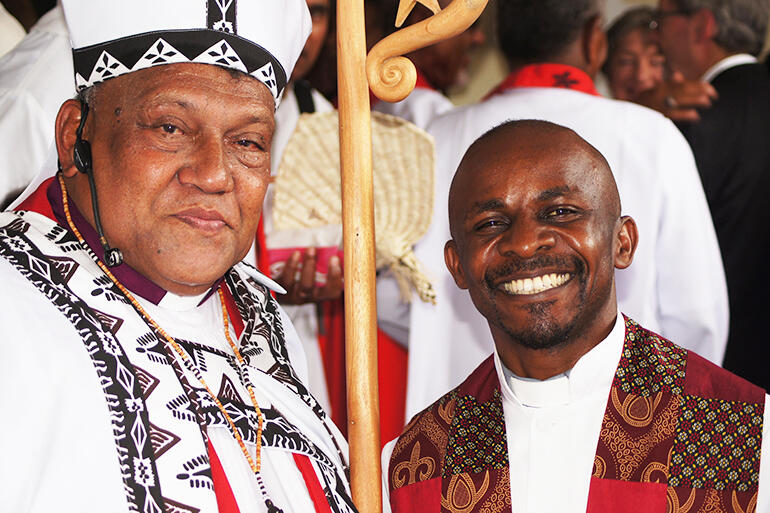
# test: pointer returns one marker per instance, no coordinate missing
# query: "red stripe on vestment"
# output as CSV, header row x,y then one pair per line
x,y
224,493
232,312
38,201
312,483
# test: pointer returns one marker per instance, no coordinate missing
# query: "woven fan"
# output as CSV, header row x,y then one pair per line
x,y
307,189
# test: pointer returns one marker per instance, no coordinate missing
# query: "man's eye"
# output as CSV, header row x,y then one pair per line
x,y
170,129
489,224
559,212
248,143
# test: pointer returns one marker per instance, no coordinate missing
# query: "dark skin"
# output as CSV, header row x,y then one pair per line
x,y
533,201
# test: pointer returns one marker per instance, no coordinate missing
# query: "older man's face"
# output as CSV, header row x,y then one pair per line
x,y
181,161
676,37
534,221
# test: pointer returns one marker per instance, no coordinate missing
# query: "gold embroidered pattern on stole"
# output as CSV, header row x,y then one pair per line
x,y
631,451
672,501
633,405
462,496
750,508
412,468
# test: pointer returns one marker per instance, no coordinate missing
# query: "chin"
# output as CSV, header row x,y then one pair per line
x,y
541,329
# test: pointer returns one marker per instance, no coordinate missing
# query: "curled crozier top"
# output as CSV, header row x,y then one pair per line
x,y
391,76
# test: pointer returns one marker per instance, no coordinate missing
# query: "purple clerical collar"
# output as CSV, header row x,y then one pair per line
x,y
132,279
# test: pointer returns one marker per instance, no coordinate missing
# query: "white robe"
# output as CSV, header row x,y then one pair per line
x,y
675,286
59,447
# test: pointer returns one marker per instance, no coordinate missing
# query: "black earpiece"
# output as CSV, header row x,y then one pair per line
x,y
81,153
81,156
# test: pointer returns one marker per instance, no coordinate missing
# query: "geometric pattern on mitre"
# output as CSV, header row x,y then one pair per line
x,y
266,75
222,54
106,67
161,52
80,82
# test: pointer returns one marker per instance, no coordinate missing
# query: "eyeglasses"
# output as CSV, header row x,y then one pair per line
x,y
659,15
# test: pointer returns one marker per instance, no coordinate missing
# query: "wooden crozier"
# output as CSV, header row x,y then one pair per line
x,y
391,77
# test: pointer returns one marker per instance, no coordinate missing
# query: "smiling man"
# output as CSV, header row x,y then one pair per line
x,y
579,408
149,369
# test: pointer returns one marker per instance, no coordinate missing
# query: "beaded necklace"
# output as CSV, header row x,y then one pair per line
x,y
254,463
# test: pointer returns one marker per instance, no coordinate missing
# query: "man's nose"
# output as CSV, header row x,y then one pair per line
x,y
644,73
207,169
526,238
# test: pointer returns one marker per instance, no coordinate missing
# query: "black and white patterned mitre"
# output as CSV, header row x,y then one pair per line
x,y
262,38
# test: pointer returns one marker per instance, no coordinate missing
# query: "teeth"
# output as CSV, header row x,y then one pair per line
x,y
536,284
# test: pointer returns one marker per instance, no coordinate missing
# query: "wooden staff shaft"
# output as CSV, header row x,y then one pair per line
x,y
358,237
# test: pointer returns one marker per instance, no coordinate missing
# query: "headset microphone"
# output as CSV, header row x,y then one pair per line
x,y
81,156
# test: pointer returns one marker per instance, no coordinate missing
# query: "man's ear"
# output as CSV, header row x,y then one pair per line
x,y
705,24
452,260
67,121
626,239
594,45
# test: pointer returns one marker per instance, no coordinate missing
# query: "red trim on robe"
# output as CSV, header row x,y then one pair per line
x,y
610,495
392,361
547,75
38,201
314,488
224,493
232,311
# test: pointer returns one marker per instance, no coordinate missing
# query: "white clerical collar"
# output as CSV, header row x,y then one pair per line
x,y
595,370
727,63
171,301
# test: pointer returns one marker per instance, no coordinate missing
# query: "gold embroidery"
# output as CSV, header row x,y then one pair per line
x,y
447,411
637,410
412,468
712,503
672,501
424,424
462,495
600,467
500,498
655,467
631,451
750,508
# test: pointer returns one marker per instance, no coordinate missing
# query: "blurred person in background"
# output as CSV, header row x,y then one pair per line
x,y
716,43
635,62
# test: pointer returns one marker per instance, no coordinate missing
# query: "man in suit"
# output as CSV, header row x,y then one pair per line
x,y
717,41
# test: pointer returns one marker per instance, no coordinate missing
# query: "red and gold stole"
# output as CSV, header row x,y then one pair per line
x,y
679,434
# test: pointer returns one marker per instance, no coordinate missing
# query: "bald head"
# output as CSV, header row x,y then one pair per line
x,y
533,147
537,235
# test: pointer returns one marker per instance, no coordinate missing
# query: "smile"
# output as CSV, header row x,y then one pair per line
x,y
535,285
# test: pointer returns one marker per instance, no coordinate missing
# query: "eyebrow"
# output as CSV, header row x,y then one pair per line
x,y
484,206
554,192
